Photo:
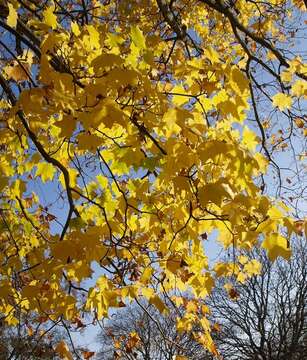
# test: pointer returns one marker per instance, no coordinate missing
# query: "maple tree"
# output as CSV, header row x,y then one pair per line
x,y
124,142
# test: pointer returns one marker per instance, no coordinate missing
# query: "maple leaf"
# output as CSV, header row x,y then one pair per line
x,y
252,267
282,101
75,28
50,18
46,171
276,245
87,354
18,70
299,88
216,327
249,139
173,263
12,17
63,351
138,37
233,294
159,304
299,225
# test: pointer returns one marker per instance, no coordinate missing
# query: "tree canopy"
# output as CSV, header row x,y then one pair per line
x,y
131,133
267,319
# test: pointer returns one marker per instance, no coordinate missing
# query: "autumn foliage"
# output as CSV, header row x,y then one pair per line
x,y
125,145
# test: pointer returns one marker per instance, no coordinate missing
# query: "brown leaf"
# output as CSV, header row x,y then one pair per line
x,y
79,323
216,327
299,226
233,294
204,236
299,122
50,217
132,342
87,354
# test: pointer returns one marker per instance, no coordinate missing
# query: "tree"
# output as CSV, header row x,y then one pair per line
x,y
143,333
266,318
262,318
125,143
29,340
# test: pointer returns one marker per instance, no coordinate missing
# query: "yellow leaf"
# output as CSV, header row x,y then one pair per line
x,y
282,101
286,76
102,180
274,213
239,81
94,36
249,139
114,40
243,259
179,97
276,245
148,292
18,188
146,276
45,171
170,118
262,162
12,17
212,55
75,28
50,18
299,88
12,320
192,307
137,37
220,97
253,267
241,277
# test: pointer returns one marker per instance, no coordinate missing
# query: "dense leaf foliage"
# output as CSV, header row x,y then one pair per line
x,y
125,145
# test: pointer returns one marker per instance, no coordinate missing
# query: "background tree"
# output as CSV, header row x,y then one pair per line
x,y
29,340
143,333
266,317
